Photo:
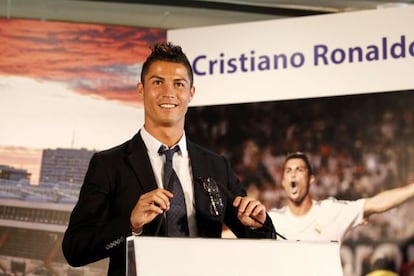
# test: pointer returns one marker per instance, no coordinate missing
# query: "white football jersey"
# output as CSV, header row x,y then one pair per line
x,y
327,220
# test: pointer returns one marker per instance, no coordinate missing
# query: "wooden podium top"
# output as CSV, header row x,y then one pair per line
x,y
160,256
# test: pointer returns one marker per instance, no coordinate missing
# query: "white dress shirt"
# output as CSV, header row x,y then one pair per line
x,y
181,166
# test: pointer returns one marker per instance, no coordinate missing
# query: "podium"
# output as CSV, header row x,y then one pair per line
x,y
161,256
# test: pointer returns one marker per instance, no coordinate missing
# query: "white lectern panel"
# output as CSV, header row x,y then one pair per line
x,y
156,256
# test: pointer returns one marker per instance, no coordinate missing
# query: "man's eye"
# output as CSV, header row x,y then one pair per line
x,y
179,84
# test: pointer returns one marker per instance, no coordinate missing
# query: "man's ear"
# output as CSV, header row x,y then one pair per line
x,y
192,92
312,179
140,90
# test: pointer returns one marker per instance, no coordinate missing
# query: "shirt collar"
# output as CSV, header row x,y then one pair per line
x,y
153,144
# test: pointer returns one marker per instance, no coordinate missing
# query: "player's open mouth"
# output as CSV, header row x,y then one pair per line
x,y
293,187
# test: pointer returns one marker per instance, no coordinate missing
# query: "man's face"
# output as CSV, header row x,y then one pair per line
x,y
296,180
166,92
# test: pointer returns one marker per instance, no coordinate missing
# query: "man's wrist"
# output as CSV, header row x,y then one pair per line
x,y
136,231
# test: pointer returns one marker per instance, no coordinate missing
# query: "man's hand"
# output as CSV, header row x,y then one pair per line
x,y
149,206
249,208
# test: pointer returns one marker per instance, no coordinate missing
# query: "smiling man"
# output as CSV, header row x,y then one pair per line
x,y
307,219
155,183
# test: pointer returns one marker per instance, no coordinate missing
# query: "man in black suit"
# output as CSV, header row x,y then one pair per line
x,y
123,190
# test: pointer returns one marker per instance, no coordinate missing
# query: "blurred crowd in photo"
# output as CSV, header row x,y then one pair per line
x,y
359,145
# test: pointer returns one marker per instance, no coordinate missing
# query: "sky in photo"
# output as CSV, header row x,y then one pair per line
x,y
68,85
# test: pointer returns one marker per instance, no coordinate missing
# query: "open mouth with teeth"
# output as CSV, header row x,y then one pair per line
x,y
168,106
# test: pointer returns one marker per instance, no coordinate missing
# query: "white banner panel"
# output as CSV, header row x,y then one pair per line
x,y
160,256
338,54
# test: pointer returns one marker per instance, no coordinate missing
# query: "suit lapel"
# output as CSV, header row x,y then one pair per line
x,y
140,163
138,159
200,168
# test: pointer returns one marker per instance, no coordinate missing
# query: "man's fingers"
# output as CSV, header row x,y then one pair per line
x,y
158,197
254,208
161,200
249,210
237,201
246,205
149,206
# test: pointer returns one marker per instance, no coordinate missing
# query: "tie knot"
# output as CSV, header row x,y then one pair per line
x,y
168,152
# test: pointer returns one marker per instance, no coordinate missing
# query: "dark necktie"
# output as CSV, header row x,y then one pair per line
x,y
177,224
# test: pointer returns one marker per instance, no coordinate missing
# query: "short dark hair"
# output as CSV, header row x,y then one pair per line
x,y
299,155
384,263
167,51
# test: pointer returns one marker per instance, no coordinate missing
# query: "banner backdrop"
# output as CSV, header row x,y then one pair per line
x,y
338,87
349,53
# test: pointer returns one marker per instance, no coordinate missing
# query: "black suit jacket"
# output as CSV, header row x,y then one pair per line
x,y
116,178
